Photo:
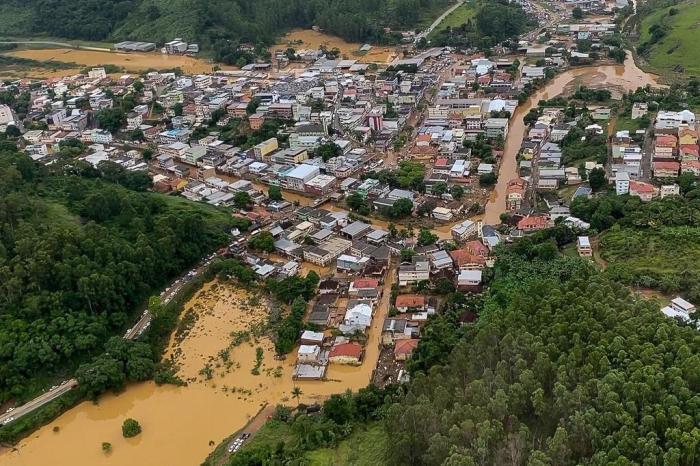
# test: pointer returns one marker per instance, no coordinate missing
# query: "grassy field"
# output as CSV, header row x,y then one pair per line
x,y
363,448
626,123
664,259
458,17
679,46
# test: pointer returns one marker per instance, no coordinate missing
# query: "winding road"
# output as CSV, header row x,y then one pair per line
x,y
439,20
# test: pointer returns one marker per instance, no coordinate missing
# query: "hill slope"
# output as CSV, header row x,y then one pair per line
x,y
210,21
668,38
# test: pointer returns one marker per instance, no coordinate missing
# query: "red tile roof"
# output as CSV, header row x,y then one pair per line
x,y
410,300
532,222
476,247
352,350
666,165
463,257
640,187
405,346
365,283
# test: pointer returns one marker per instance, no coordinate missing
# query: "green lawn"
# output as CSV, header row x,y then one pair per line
x,y
458,17
680,45
364,447
626,123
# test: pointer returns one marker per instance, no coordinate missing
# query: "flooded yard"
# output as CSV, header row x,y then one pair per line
x,y
181,425
133,62
309,39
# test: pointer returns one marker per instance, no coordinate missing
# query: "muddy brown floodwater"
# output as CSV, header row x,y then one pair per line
x,y
179,422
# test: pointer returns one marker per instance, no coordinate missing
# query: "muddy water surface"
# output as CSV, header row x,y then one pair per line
x,y
180,422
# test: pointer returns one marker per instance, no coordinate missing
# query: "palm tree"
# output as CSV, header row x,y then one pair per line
x,y
296,393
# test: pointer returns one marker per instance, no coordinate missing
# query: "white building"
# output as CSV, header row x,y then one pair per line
x,y
359,315
300,175
101,136
462,231
622,183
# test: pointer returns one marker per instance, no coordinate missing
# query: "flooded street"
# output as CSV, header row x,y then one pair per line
x,y
617,78
180,422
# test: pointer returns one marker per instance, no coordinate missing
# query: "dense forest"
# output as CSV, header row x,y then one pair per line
x,y
80,250
494,21
215,22
564,367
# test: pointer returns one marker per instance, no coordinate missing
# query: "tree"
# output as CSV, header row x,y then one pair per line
x,y
296,394
178,109
577,13
457,191
596,178
106,447
12,131
242,200
147,154
130,428
137,135
401,208
406,254
487,179
328,151
439,189
253,105
263,241
426,237
111,119
138,86
274,193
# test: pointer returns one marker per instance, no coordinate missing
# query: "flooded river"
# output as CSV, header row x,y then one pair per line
x,y
182,424
617,78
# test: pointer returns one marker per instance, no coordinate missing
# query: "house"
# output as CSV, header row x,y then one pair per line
x,y
411,303
355,230
464,259
346,353
348,263
309,337
364,288
666,169
469,280
308,354
533,223
622,183
639,109
583,246
515,193
442,214
403,349
679,309
417,271
395,329
463,231
440,260
645,191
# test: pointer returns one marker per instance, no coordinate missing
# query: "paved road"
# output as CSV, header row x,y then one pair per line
x,y
56,44
439,20
38,402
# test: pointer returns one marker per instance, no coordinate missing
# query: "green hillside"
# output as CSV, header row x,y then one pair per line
x,y
668,38
213,21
